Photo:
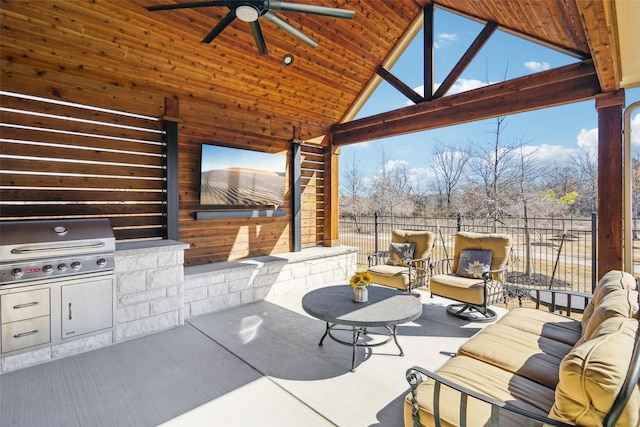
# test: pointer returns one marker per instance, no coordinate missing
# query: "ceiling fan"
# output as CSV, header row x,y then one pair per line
x,y
250,10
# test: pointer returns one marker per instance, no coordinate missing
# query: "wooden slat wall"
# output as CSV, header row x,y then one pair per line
x,y
312,171
213,240
66,161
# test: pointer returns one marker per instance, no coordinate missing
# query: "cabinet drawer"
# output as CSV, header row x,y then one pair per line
x,y
25,333
24,305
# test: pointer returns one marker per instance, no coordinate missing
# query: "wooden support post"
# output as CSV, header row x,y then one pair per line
x,y
170,122
296,198
610,181
331,196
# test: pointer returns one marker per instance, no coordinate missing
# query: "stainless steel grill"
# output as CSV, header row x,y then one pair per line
x,y
32,251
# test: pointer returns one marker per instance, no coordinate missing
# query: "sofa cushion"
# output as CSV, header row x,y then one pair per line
x,y
400,253
550,325
592,373
473,263
612,281
486,379
619,303
528,355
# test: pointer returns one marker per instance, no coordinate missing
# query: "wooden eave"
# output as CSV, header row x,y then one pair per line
x,y
122,43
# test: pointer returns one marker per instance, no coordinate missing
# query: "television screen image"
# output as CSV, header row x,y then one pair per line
x,y
235,177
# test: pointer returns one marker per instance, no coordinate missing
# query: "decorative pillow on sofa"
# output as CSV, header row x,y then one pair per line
x,y
400,253
473,263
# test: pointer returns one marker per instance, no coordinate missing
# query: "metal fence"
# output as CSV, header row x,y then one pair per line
x,y
561,251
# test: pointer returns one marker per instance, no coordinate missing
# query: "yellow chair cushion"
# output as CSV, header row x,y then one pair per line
x,y
498,244
421,238
390,275
458,288
592,373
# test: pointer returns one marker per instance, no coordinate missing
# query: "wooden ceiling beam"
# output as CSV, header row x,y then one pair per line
x,y
598,20
399,85
466,59
428,28
564,85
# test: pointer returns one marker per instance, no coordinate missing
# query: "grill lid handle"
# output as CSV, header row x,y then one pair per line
x,y
55,248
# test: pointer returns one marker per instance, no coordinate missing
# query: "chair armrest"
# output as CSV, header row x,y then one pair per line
x,y
486,275
441,266
420,262
414,377
374,258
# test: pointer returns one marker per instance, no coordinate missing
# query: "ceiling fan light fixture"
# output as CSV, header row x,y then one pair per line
x,y
247,13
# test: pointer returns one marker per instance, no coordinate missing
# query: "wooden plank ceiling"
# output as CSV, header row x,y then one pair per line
x,y
162,51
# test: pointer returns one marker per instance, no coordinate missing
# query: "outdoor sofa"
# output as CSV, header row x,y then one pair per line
x,y
534,367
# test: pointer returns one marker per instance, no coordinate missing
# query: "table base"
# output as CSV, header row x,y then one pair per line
x,y
357,330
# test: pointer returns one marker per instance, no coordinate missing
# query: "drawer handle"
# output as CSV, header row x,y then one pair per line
x,y
25,305
26,334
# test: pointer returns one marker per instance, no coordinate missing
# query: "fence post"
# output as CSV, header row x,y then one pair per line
x,y
459,221
375,230
594,249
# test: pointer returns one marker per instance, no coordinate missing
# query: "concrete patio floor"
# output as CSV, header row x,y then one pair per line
x,y
254,365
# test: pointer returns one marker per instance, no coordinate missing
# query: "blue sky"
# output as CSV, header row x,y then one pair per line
x,y
554,132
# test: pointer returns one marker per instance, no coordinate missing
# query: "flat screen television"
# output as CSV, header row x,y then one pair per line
x,y
238,178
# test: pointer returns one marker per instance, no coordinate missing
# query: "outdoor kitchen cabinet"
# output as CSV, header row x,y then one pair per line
x,y
86,307
25,319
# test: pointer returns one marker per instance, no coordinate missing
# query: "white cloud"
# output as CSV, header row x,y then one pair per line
x,y
588,139
443,40
547,153
463,85
536,66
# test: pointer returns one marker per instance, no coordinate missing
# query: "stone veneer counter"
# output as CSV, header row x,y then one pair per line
x,y
154,291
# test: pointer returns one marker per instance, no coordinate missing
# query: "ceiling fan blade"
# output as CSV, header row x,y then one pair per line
x,y
218,28
311,9
190,5
272,17
256,31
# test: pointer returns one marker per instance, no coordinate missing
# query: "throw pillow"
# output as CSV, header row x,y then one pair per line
x,y
400,253
473,263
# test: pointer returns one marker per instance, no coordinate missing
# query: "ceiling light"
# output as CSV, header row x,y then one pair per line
x,y
247,13
287,60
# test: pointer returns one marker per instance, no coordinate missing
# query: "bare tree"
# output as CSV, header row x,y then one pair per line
x,y
494,172
529,171
448,165
355,191
585,164
392,192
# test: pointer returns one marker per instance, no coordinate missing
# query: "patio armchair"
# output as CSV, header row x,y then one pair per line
x,y
474,276
406,265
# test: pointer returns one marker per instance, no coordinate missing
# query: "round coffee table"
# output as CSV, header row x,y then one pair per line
x,y
385,308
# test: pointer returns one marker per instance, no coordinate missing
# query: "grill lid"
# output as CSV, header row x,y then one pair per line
x,y
24,240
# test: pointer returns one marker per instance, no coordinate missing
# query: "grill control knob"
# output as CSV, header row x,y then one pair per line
x,y
62,266
17,272
47,268
101,262
76,265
